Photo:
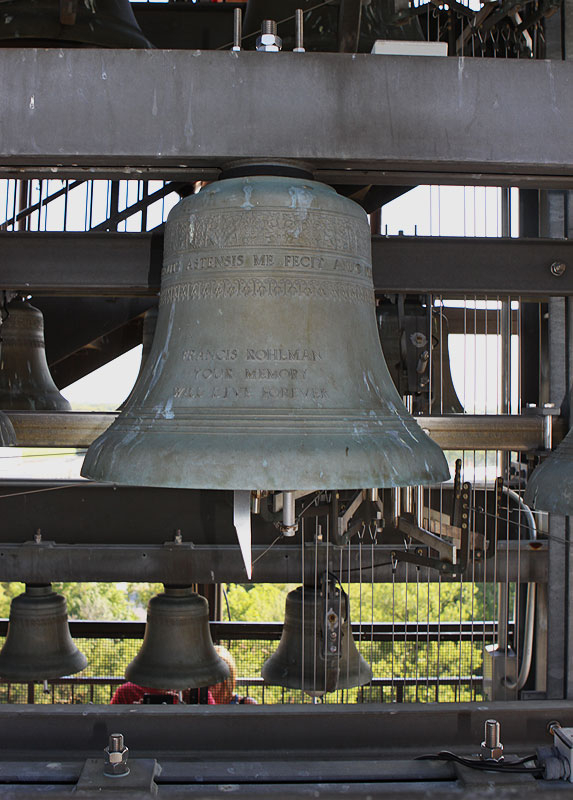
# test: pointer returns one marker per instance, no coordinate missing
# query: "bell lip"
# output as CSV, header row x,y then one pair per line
x,y
74,664
366,468
548,487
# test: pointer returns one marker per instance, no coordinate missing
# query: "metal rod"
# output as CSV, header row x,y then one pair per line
x,y
299,31
237,29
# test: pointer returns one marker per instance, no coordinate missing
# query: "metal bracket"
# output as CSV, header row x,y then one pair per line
x,y
140,782
446,550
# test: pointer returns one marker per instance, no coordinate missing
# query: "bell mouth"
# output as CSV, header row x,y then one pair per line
x,y
280,168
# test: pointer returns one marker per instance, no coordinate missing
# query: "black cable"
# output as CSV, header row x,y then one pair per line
x,y
492,766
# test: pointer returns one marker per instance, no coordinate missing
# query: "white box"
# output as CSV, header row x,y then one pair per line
x,y
391,47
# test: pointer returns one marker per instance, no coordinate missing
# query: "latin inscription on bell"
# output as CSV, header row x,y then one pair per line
x,y
266,369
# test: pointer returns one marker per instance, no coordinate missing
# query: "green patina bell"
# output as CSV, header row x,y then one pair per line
x,y
25,380
266,370
550,487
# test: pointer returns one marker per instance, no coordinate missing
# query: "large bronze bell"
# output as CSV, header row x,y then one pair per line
x,y
97,23
38,645
317,652
266,370
147,334
550,487
25,380
177,650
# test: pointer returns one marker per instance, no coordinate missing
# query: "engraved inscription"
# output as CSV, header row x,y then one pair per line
x,y
280,354
293,392
213,393
313,228
224,354
264,288
261,261
276,374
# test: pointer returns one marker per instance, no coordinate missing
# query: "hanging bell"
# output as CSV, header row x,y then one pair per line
x,y
45,23
550,487
38,645
444,399
317,652
7,433
266,370
25,380
149,325
177,650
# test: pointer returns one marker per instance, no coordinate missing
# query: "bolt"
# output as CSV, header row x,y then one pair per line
x,y
268,41
558,268
299,42
115,757
491,747
178,538
552,725
38,536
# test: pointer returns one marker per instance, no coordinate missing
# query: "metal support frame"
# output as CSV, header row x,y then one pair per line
x,y
410,131
187,563
454,432
359,751
129,264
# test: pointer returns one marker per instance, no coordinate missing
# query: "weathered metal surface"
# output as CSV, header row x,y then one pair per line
x,y
129,264
25,380
317,652
77,109
177,651
550,487
109,23
457,432
181,564
7,433
278,751
38,645
266,337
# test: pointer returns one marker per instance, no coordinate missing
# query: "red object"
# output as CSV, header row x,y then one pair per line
x,y
129,693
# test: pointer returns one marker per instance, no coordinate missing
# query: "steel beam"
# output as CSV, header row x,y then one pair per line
x,y
129,264
186,563
417,116
454,432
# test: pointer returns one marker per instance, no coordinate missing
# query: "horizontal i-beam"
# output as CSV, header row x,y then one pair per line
x,y
511,432
129,264
460,119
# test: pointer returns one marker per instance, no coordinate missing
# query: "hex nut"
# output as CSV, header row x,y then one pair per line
x,y
269,42
115,762
491,753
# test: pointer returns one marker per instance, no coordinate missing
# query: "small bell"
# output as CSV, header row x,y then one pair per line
x,y
44,23
317,652
25,380
550,487
38,645
177,650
